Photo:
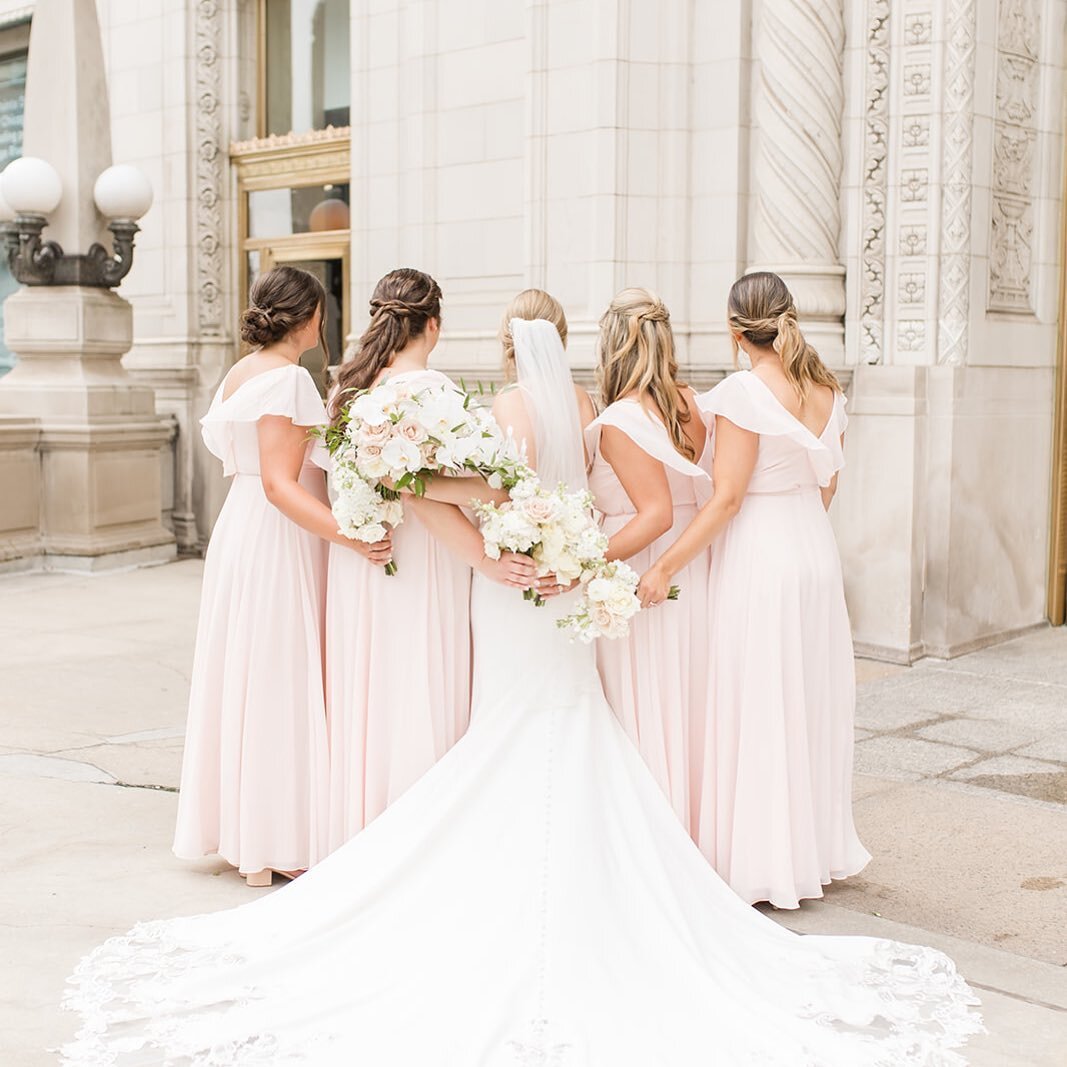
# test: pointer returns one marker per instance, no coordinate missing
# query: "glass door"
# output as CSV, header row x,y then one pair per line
x,y
329,263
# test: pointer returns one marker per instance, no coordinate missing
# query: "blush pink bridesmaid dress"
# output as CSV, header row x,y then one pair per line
x,y
656,678
254,772
781,666
398,665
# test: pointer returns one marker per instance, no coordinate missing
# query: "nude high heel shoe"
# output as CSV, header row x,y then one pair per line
x,y
259,879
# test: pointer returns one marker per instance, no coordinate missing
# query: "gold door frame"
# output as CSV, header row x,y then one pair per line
x,y
329,244
322,157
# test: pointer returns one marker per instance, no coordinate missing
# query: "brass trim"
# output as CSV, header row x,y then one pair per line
x,y
322,246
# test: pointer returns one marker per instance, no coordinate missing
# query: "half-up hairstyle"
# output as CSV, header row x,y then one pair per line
x,y
761,309
282,300
530,304
635,354
401,306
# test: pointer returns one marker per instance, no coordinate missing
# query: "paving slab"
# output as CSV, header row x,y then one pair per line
x,y
908,756
1050,747
95,673
973,863
983,735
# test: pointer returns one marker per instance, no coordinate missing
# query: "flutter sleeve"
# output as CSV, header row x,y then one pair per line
x,y
285,391
646,431
750,405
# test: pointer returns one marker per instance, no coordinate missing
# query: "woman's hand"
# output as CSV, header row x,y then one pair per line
x,y
379,553
511,569
549,586
654,587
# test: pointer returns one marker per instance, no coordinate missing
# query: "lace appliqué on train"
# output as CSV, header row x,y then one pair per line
x,y
539,1049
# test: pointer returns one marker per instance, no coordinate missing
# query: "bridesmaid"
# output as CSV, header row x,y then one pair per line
x,y
780,653
648,477
398,655
254,774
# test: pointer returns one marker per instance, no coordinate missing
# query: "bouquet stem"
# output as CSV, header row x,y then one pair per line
x,y
390,568
673,593
535,596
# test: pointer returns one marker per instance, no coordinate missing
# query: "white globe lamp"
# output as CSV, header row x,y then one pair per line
x,y
31,186
123,192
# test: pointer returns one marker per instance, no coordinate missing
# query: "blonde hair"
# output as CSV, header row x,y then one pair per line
x,y
635,354
761,309
530,304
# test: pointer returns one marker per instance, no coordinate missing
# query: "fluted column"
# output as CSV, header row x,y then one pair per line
x,y
797,161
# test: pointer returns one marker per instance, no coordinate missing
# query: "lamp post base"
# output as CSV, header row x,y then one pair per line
x,y
79,436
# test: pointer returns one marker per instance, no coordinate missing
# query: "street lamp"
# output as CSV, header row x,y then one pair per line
x,y
31,189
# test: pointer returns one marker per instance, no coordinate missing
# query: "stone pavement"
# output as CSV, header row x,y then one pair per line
x,y
960,785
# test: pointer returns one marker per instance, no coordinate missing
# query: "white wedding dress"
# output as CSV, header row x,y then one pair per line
x,y
532,900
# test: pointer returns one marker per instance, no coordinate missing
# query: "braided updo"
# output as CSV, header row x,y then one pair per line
x,y
280,301
761,309
635,354
401,307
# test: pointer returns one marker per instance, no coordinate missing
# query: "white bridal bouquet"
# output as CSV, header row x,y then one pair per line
x,y
609,601
391,438
552,526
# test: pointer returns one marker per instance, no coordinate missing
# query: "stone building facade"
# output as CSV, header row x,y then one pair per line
x,y
899,163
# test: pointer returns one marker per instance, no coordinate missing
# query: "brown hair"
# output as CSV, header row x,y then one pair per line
x,y
530,304
761,309
401,306
280,301
635,352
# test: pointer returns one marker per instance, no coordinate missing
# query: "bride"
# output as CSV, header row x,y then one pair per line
x,y
532,900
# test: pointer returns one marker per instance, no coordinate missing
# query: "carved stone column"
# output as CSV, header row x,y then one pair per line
x,y
797,161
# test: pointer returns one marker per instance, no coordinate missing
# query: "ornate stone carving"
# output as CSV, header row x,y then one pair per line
x,y
1014,137
912,288
209,163
916,132
875,148
797,169
917,28
915,121
913,240
917,80
911,335
957,179
914,184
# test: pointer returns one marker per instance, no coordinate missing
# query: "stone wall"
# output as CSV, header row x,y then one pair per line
x,y
898,163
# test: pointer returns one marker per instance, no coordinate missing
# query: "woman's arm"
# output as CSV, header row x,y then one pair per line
x,y
282,447
451,527
645,482
829,491
463,489
735,459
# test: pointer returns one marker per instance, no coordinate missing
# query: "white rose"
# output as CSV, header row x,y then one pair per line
x,y
371,434
371,533
540,509
599,590
371,462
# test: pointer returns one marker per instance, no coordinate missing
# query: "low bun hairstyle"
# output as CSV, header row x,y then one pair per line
x,y
636,355
401,307
280,301
530,304
761,309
